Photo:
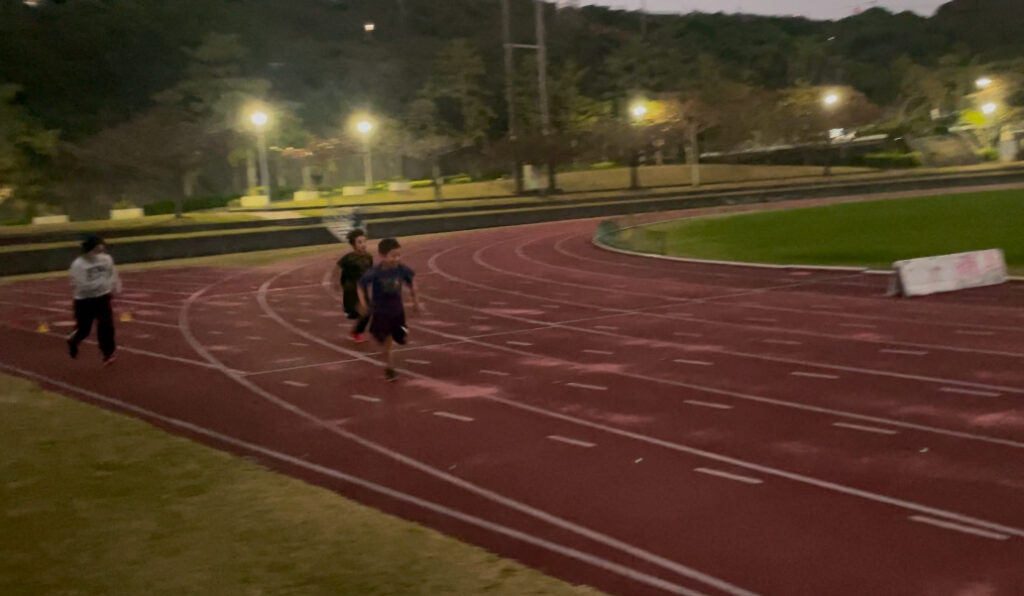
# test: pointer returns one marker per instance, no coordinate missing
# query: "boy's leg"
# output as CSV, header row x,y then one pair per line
x,y
389,365
361,325
105,326
84,314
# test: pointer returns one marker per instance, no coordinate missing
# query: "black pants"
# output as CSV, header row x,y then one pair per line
x,y
98,309
350,299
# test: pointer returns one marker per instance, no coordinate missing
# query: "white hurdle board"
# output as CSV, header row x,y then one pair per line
x,y
949,273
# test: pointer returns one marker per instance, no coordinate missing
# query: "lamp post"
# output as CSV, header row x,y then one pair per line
x,y
365,127
638,112
259,120
983,83
830,101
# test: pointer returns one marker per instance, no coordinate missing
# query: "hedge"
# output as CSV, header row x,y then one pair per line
x,y
892,160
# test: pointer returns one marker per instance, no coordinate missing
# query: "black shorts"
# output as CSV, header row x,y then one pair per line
x,y
389,325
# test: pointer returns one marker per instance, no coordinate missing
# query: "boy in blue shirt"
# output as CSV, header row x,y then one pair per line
x,y
380,294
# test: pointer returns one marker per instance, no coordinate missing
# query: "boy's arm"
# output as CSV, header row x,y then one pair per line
x,y
115,278
417,307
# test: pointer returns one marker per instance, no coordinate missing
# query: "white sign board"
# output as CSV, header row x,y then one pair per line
x,y
948,273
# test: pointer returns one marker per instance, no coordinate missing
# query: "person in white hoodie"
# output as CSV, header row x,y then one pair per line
x,y
94,279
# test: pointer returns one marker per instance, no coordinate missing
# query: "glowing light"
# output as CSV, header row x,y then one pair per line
x,y
989,109
639,111
983,83
830,100
364,127
259,118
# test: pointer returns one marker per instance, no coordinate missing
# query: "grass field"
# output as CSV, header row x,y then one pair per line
x,y
871,234
98,503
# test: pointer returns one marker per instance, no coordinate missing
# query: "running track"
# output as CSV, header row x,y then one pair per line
x,y
642,426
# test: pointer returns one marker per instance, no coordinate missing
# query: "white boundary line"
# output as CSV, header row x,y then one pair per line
x,y
958,527
736,477
824,484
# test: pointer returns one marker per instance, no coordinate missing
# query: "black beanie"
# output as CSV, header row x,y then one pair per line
x,y
91,241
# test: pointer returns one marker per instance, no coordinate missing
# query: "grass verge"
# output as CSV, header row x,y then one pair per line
x,y
99,503
870,233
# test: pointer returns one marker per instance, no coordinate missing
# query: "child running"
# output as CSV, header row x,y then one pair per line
x,y
381,290
353,266
93,279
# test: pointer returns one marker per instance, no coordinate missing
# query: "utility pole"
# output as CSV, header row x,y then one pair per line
x,y
542,84
506,32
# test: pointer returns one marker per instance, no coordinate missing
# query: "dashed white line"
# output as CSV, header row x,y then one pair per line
x,y
585,386
686,334
216,332
254,338
296,383
721,474
299,344
607,327
417,361
782,342
958,527
762,320
602,352
569,441
971,332
519,343
859,325
496,373
304,320
869,429
970,392
551,306
810,375
694,362
453,416
480,318
365,398
904,352
707,404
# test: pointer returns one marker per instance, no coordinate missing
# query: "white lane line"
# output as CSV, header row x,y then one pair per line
x,y
602,352
869,429
287,360
707,404
495,373
971,332
859,325
585,386
736,477
254,338
694,362
453,416
299,344
569,441
480,318
365,398
958,527
304,320
904,352
417,361
552,306
296,383
762,320
686,334
216,332
519,343
608,327
499,303
782,342
969,392
810,375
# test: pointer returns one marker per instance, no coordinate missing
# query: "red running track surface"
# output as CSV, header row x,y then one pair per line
x,y
642,426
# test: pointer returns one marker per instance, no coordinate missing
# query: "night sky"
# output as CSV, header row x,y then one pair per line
x,y
820,9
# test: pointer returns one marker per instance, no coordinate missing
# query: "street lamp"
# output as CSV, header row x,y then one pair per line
x,y
830,101
639,111
259,119
989,109
983,83
365,127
